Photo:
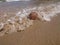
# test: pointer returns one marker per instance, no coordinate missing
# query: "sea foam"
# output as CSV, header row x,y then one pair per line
x,y
21,22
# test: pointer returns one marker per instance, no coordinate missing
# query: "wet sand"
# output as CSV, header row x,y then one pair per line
x,y
39,34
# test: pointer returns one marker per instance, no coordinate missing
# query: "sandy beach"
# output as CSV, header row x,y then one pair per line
x,y
40,33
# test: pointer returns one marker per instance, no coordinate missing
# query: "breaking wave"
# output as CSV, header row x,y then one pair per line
x,y
21,22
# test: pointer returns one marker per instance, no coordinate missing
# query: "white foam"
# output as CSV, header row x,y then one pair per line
x,y
52,10
44,13
1,25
